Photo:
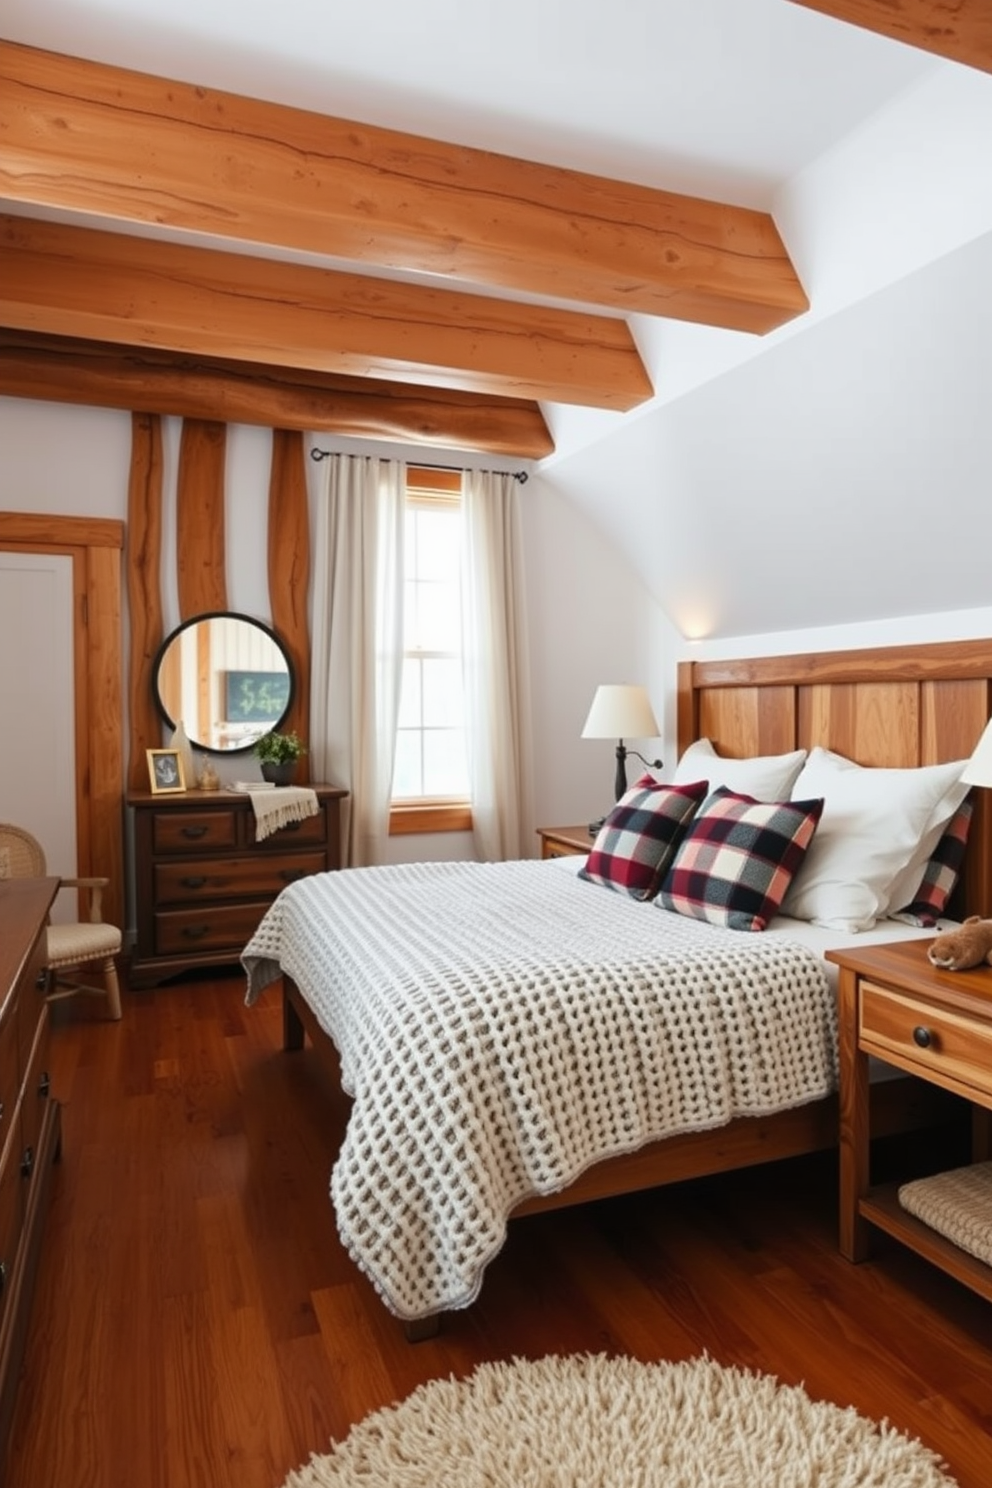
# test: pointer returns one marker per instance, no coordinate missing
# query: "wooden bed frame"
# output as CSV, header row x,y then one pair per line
x,y
894,706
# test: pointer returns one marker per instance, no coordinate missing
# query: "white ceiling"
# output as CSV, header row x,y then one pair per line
x,y
719,98
873,159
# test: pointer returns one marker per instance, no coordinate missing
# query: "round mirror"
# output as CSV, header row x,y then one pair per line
x,y
228,678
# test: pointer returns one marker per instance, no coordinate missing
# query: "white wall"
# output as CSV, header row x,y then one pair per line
x,y
590,621
590,617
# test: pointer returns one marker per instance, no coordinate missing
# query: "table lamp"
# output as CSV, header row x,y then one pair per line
x,y
622,712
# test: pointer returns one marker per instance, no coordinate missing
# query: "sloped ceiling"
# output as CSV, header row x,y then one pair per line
x,y
715,457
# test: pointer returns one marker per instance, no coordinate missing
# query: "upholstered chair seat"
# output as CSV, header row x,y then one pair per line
x,y
70,947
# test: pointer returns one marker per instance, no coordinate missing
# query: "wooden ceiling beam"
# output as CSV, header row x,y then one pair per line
x,y
960,30
74,281
62,370
128,147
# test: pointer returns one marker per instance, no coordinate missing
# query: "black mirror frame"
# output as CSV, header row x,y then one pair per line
x,y
222,615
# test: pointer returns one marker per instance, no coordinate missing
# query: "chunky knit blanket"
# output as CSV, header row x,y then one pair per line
x,y
503,1026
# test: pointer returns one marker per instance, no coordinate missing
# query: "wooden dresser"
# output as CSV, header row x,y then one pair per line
x,y
30,1128
202,882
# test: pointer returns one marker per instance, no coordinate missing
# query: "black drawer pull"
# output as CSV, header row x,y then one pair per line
x,y
3,1277
922,1037
196,932
27,1162
194,881
41,980
290,875
291,826
44,1085
194,831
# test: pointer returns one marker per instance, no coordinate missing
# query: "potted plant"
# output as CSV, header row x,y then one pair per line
x,y
278,754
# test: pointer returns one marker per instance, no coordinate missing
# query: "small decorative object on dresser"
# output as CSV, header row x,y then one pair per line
x,y
203,880
165,771
278,754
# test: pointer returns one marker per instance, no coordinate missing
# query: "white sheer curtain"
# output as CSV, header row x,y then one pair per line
x,y
495,667
358,641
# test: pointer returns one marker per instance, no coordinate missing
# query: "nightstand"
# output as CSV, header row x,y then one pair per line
x,y
564,842
936,1025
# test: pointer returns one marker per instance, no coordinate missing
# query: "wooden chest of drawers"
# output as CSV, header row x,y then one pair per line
x,y
202,882
30,1127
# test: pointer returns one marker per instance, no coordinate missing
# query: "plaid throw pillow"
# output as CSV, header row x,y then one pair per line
x,y
737,859
635,843
941,873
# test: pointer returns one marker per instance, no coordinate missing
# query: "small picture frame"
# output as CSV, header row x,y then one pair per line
x,y
165,771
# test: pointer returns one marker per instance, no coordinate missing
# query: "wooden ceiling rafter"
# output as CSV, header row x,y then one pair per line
x,y
129,147
960,30
61,369
77,281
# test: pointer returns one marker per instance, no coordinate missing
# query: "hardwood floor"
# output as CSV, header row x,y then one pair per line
x,y
197,1324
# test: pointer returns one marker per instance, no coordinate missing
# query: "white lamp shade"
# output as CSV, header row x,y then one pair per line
x,y
621,712
978,770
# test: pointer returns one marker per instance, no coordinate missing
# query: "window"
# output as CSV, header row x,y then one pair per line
x,y
430,773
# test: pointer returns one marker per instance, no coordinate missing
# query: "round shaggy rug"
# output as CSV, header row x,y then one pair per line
x,y
591,1421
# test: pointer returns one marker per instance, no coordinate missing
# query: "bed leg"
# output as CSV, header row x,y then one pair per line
x,y
292,1026
417,1330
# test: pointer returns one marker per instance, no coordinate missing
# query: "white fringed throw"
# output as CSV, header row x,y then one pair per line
x,y
286,803
502,1026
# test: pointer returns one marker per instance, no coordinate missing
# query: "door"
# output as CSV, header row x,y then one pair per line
x,y
37,686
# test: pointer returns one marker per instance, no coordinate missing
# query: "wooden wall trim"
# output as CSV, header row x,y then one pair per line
x,y
200,526
144,590
61,533
289,573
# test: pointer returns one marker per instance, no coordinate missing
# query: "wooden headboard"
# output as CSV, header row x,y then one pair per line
x,y
895,706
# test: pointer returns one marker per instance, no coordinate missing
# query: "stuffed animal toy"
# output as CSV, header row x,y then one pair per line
x,y
969,945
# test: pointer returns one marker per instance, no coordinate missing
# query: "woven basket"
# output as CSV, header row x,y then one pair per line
x,y
957,1204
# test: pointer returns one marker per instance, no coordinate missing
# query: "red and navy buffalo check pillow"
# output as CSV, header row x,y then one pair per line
x,y
636,841
941,873
737,859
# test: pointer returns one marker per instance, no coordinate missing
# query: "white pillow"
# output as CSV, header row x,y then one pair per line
x,y
875,828
766,777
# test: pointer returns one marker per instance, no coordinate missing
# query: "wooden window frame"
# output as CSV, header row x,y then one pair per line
x,y
430,814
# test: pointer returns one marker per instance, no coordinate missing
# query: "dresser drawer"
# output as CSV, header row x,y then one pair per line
x,y
11,1219
9,1076
31,1009
934,1042
194,831
231,878
207,928
293,834
35,1096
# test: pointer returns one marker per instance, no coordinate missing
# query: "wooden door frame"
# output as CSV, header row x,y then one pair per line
x,y
95,545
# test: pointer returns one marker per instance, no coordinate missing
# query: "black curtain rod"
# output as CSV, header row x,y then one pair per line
x,y
518,475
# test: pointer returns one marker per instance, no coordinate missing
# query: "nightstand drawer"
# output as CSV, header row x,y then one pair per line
x,y
934,1042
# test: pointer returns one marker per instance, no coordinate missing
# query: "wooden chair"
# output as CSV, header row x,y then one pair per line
x,y
70,946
